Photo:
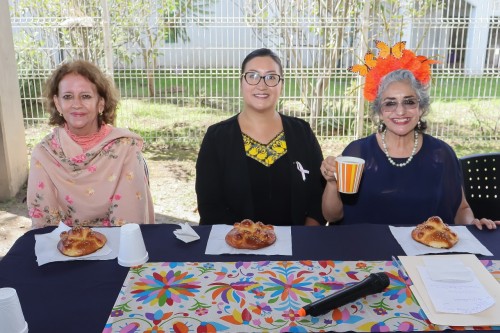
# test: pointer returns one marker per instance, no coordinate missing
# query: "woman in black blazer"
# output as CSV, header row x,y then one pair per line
x,y
260,164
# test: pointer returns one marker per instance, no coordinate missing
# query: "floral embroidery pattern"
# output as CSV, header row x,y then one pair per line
x,y
262,296
165,288
52,216
80,164
83,161
266,154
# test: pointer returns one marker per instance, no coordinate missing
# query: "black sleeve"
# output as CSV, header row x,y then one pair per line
x,y
209,183
317,184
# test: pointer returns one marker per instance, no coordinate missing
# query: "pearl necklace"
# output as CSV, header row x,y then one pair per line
x,y
384,145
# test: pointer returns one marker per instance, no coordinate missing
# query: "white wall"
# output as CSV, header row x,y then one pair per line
x,y
13,152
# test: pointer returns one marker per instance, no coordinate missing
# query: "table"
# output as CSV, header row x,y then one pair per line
x,y
77,296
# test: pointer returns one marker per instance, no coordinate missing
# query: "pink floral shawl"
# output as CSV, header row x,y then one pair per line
x,y
104,186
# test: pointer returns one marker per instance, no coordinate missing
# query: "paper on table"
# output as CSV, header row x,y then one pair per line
x,y
46,246
448,270
488,317
186,233
465,297
217,244
467,243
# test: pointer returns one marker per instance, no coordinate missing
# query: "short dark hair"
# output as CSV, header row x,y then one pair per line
x,y
263,52
104,86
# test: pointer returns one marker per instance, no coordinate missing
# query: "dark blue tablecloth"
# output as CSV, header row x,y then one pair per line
x,y
77,296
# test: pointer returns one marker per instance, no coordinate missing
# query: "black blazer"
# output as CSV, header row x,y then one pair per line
x,y
223,187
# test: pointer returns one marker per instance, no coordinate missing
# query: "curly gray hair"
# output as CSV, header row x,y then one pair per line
x,y
421,90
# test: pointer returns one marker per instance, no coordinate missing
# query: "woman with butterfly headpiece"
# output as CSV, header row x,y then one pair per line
x,y
408,175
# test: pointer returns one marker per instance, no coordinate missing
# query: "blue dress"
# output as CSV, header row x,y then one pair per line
x,y
431,184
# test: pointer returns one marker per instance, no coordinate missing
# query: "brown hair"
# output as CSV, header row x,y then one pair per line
x,y
104,86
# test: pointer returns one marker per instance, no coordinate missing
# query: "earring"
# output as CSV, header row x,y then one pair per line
x,y
381,126
60,114
419,125
100,113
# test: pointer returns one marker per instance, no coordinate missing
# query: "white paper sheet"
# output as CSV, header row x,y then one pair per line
x,y
217,244
463,297
488,317
448,270
467,243
46,246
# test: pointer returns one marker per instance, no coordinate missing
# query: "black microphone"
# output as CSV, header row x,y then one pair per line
x,y
374,283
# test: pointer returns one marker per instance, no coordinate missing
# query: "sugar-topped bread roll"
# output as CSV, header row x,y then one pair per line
x,y
80,241
250,235
435,233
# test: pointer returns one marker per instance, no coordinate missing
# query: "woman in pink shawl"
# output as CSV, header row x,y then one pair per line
x,y
87,172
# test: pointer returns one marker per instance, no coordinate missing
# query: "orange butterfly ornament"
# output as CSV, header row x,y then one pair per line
x,y
425,60
384,50
390,59
364,68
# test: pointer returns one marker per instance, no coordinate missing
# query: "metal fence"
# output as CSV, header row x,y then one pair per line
x,y
176,62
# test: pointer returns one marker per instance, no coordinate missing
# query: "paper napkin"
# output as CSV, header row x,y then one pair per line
x,y
186,233
46,246
467,243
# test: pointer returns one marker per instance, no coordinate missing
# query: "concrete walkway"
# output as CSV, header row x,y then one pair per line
x,y
12,227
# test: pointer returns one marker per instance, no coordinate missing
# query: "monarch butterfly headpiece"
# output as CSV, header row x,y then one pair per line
x,y
390,59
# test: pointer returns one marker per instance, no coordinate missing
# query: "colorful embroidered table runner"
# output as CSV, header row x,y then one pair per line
x,y
262,297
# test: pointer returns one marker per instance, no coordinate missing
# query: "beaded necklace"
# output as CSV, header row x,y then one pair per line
x,y
384,145
91,140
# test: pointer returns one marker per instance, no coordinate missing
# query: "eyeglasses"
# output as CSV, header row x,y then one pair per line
x,y
407,104
253,79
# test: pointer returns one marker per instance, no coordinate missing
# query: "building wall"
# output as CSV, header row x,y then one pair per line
x,y
13,152
203,72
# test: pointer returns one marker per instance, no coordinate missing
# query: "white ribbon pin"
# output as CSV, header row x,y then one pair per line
x,y
302,170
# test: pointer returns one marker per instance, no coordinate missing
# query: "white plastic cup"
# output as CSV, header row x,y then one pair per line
x,y
132,251
349,172
11,314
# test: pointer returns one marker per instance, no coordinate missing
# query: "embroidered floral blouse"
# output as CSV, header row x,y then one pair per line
x,y
270,178
105,185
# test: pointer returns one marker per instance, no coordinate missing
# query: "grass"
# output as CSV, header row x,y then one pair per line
x,y
225,82
465,111
471,127
167,123
460,88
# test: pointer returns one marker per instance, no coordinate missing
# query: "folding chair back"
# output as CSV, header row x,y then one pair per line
x,y
481,174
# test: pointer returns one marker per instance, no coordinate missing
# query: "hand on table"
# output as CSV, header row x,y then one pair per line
x,y
490,224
